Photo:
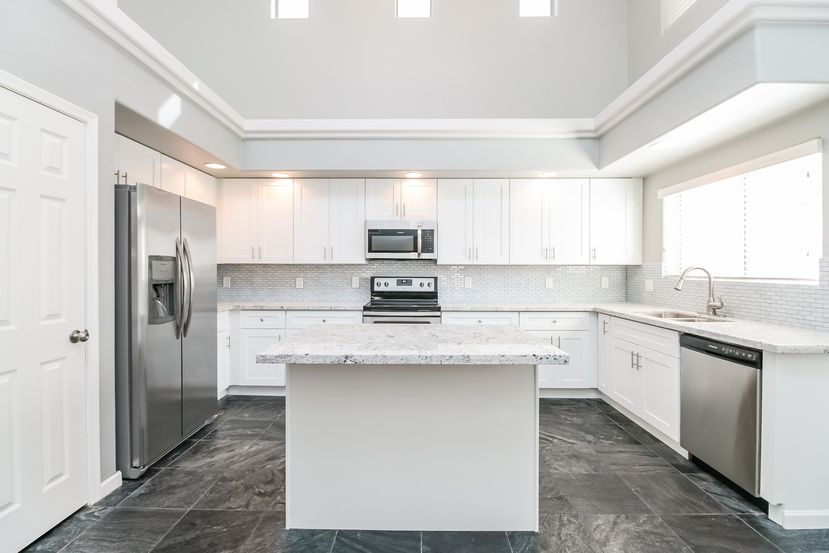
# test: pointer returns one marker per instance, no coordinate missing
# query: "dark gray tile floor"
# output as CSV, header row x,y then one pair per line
x,y
607,486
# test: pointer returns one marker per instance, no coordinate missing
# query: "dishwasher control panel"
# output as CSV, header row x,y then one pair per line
x,y
740,354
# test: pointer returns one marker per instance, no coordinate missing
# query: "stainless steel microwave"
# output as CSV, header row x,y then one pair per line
x,y
401,240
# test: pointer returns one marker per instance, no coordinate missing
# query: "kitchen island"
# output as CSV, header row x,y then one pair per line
x,y
410,427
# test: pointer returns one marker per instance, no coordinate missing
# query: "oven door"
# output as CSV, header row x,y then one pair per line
x,y
392,243
375,318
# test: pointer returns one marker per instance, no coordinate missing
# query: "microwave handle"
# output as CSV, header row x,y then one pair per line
x,y
419,240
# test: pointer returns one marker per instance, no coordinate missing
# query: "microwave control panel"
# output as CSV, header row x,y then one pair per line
x,y
428,241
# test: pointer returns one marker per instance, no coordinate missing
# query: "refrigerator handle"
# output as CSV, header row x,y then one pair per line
x,y
189,287
181,284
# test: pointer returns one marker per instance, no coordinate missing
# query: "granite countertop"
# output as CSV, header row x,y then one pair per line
x,y
265,305
752,334
414,345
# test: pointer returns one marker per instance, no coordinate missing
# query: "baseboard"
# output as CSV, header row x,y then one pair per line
x,y
561,393
793,519
276,391
108,486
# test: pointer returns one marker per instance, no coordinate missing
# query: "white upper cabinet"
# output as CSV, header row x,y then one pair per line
x,y
201,187
473,221
311,215
276,221
491,221
419,200
455,221
329,220
616,221
529,222
139,163
409,199
569,208
347,221
256,221
382,199
238,221
173,176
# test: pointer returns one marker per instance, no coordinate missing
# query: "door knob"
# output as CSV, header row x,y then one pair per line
x,y
79,336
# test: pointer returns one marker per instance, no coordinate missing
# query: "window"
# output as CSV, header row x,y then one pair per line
x,y
762,224
414,8
672,10
537,8
289,9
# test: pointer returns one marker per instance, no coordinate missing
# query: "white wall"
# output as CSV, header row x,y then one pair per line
x,y
354,59
647,44
43,43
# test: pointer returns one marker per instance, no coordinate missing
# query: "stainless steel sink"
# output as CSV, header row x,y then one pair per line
x,y
684,317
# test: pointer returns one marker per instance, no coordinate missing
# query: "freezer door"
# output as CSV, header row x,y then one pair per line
x,y
199,393
156,353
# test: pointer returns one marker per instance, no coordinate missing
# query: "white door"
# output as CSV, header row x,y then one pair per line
x,y
491,213
604,353
276,221
455,229
576,374
529,220
382,199
625,385
570,222
347,221
251,373
311,213
660,391
42,301
173,176
237,221
139,163
419,199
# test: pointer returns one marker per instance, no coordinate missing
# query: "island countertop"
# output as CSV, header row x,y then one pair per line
x,y
414,345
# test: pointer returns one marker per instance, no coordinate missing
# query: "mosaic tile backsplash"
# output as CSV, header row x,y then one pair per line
x,y
490,284
803,305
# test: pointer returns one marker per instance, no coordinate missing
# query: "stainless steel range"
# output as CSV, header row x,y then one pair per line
x,y
408,300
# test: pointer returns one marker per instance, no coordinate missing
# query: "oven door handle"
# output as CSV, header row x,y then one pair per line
x,y
419,240
401,320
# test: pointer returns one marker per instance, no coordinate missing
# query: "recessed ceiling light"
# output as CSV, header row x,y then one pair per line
x,y
215,166
281,175
413,175
547,174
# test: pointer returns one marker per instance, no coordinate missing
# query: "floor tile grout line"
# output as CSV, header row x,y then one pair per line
x,y
753,529
167,533
334,542
509,542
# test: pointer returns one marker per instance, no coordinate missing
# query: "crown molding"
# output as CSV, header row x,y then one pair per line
x,y
732,20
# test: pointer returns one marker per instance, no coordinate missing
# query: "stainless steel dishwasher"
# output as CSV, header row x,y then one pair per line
x,y
720,408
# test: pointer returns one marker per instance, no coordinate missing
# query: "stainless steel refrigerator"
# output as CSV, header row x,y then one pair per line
x,y
165,322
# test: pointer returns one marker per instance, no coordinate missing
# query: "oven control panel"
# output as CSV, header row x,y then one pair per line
x,y
411,284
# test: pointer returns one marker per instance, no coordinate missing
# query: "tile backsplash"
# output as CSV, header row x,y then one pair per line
x,y
490,284
803,305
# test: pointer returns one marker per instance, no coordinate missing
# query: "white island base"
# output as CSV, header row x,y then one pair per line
x,y
412,447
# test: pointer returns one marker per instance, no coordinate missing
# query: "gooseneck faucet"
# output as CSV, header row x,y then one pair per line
x,y
714,304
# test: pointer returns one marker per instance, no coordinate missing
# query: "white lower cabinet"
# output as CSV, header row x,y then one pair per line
x,y
222,353
251,342
644,381
576,374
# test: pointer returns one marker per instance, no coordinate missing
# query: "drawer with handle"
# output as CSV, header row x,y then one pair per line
x,y
480,318
557,321
301,319
262,319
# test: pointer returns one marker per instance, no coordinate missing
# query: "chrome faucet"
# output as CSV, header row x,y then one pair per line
x,y
713,304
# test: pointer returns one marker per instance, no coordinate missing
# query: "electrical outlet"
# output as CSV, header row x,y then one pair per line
x,y
649,285
225,282
355,282
467,282
605,282
300,283
548,283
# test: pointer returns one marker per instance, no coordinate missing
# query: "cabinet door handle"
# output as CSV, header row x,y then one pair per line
x,y
631,359
331,253
260,252
324,252
396,210
469,253
404,209
559,342
604,328
594,254
553,253
476,253
545,254
638,362
253,252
